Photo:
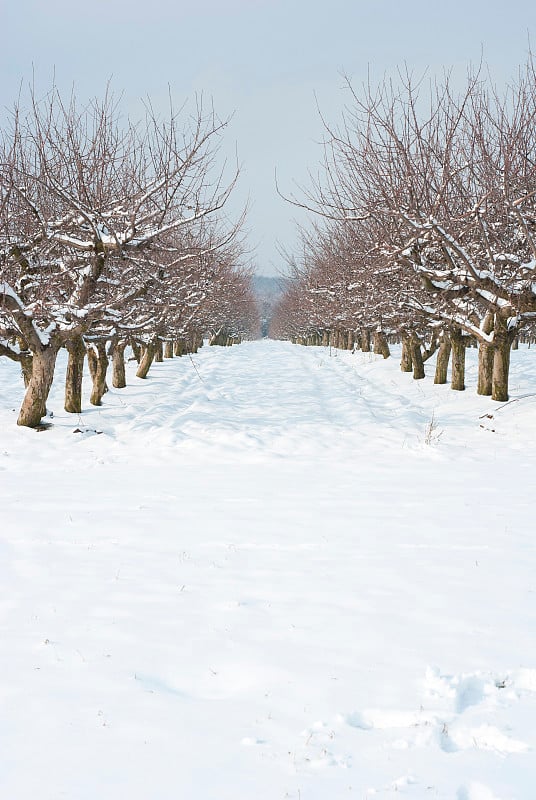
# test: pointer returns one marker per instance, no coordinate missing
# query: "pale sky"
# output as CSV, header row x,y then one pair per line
x,y
263,61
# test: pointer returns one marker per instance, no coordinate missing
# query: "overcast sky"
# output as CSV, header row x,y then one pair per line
x,y
263,60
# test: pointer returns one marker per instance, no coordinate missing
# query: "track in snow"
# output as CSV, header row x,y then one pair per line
x,y
261,581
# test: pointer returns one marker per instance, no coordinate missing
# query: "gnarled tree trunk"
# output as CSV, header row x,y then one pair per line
x,y
119,379
26,367
458,360
73,377
146,360
365,340
98,361
485,360
381,345
406,364
442,362
502,341
416,357
136,349
33,407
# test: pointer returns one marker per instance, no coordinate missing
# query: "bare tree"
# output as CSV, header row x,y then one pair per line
x,y
89,206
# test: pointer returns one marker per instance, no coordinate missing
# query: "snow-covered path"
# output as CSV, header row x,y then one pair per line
x,y
270,577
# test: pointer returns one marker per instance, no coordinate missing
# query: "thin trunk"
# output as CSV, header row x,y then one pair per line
x,y
416,358
429,351
100,366
146,360
33,407
381,345
136,349
406,363
73,377
443,358
485,368
119,380
485,360
502,340
458,360
92,362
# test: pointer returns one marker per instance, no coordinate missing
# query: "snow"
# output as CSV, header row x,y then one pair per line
x,y
278,572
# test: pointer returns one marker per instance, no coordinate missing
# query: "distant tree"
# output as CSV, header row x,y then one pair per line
x,y
441,188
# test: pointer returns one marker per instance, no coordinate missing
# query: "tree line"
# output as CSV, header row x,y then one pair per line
x,y
425,227
112,236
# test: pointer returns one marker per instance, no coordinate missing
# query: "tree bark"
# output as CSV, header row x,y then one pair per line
x,y
406,364
168,349
442,362
33,407
159,351
485,360
486,357
146,360
26,366
458,360
100,365
119,380
381,345
136,349
365,340
502,340
416,358
73,377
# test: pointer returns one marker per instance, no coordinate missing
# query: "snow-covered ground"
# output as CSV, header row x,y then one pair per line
x,y
278,572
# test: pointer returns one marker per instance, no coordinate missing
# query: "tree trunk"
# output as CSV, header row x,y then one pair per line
x,y
26,366
119,380
73,377
365,340
485,359
178,347
458,360
502,341
146,360
406,364
381,345
168,349
485,368
136,351
443,358
100,366
33,407
159,351
416,358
